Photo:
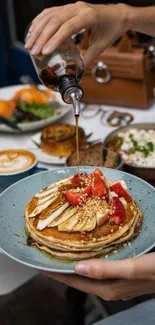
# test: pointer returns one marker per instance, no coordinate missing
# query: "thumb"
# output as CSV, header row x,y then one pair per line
x,y
92,53
136,268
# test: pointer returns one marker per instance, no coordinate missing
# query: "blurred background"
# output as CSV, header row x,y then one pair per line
x,y
14,18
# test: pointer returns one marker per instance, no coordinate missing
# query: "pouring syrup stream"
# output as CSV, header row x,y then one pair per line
x,y
77,142
76,105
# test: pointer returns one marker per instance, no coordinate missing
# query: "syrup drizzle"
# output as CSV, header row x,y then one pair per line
x,y
77,142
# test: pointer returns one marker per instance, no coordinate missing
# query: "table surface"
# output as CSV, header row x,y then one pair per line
x,y
13,274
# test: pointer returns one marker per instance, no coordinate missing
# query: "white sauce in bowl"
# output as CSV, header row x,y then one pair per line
x,y
138,147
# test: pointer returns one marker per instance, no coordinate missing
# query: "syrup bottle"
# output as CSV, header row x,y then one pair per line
x,y
62,71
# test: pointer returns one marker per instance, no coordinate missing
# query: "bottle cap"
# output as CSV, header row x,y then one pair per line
x,y
69,85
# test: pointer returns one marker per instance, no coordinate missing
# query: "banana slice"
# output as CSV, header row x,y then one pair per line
x,y
63,216
42,206
89,225
123,202
43,223
80,224
102,216
44,193
65,180
53,187
69,224
108,182
46,198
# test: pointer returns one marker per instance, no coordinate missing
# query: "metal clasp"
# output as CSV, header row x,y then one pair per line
x,y
152,51
101,66
118,119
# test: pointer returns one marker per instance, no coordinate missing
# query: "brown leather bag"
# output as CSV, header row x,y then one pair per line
x,y
122,75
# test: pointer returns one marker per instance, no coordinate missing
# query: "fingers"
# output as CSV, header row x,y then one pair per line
x,y
92,52
44,30
103,290
54,17
46,34
100,269
128,298
69,28
97,46
107,290
36,31
46,11
65,30
139,268
53,26
130,289
37,19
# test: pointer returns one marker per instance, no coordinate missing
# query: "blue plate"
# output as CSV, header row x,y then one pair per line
x,y
12,225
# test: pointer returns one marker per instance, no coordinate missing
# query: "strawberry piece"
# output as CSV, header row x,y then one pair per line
x,y
76,179
116,220
118,188
118,212
99,188
98,172
79,179
75,198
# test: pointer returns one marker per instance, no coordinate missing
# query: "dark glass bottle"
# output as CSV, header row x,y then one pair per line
x,y
62,71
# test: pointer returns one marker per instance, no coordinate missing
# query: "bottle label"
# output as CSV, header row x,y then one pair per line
x,y
57,64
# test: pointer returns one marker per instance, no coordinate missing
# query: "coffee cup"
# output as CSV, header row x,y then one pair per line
x,y
15,164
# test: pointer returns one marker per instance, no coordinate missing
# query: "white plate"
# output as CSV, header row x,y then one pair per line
x,y
45,158
7,93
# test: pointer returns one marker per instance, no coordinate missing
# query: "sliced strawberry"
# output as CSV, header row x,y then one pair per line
x,y
98,187
79,179
98,172
76,179
75,198
116,220
117,215
88,190
120,190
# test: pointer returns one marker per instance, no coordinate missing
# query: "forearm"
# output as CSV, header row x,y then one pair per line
x,y
142,20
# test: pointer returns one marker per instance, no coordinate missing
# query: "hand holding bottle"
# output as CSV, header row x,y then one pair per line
x,y
54,25
105,22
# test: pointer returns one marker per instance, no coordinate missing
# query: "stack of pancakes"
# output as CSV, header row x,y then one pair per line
x,y
71,232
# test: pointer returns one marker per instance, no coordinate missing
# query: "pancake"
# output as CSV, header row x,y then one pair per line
x,y
85,230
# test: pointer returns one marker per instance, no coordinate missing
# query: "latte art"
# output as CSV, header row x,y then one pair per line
x,y
15,161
